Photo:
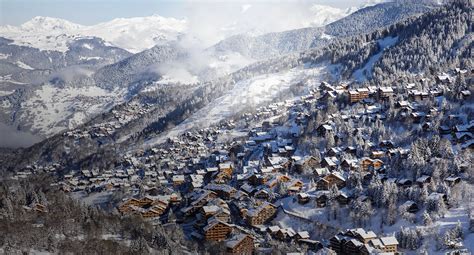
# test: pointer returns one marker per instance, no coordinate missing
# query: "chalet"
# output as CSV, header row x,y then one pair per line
x,y
349,164
329,162
444,79
223,191
462,137
390,244
151,212
385,92
321,198
452,180
422,180
216,230
358,94
362,235
357,241
125,207
262,194
335,178
465,94
403,104
367,163
354,96
302,235
410,206
255,179
377,154
344,196
314,245
261,214
306,163
303,198
226,167
404,182
334,151
295,185
321,172
240,244
285,233
322,184
324,129
178,180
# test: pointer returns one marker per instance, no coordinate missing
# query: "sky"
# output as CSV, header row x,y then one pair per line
x,y
90,12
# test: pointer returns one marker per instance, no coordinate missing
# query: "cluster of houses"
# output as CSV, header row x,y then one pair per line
x,y
359,241
228,191
121,116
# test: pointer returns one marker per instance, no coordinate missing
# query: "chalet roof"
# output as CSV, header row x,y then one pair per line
x,y
386,89
331,161
291,232
338,175
408,203
274,229
235,240
321,171
467,144
212,223
210,208
303,234
389,240
277,160
256,211
376,243
220,187
452,178
366,235
177,178
435,196
247,188
423,178
225,165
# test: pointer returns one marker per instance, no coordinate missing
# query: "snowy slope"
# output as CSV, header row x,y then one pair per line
x,y
323,15
51,109
246,95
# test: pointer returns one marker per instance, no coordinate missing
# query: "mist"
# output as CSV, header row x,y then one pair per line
x,y
12,138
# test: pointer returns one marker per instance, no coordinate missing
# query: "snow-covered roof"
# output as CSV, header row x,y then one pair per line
x,y
389,240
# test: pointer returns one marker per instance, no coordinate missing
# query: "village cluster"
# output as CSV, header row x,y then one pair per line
x,y
228,183
121,116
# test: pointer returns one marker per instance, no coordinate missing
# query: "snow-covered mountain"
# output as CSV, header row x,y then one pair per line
x,y
132,34
140,33
324,15
71,62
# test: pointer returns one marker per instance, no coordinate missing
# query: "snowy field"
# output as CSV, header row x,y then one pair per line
x,y
53,109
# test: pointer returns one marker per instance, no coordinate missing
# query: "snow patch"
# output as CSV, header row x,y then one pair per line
x,y
23,65
364,73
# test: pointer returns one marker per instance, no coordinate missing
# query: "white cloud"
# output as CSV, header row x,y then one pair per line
x,y
245,7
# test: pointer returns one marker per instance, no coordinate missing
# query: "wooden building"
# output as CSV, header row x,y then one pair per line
x,y
261,214
217,230
240,244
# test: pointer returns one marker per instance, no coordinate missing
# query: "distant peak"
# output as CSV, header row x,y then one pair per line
x,y
49,23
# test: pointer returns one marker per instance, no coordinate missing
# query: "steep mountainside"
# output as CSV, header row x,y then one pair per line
x,y
364,20
341,59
